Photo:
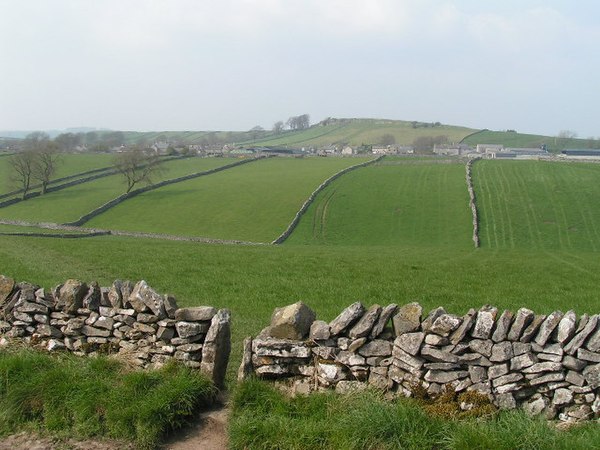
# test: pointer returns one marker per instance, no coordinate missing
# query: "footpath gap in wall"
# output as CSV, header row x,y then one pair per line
x,y
130,320
546,364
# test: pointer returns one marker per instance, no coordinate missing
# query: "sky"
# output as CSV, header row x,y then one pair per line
x,y
150,65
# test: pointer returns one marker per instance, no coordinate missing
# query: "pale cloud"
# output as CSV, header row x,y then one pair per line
x,y
178,64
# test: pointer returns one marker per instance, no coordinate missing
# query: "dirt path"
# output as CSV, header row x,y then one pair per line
x,y
208,432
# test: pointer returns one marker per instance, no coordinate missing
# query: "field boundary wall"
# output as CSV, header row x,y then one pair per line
x,y
294,223
131,321
473,201
104,172
545,364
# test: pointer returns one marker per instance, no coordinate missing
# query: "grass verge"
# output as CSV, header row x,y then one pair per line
x,y
264,418
85,397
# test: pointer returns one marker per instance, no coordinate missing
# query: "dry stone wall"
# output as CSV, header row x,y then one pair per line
x,y
546,364
130,320
472,201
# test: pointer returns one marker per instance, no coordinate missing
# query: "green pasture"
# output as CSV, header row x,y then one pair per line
x,y
538,205
395,202
253,202
70,204
361,131
69,164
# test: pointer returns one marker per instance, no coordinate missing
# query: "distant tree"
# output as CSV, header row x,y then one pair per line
x,y
387,139
426,143
298,122
278,127
137,167
256,131
68,141
563,138
21,164
36,161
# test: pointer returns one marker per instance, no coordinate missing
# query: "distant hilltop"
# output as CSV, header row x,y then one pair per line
x,y
328,135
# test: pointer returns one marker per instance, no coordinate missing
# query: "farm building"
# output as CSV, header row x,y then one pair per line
x,y
517,153
348,151
486,148
592,153
451,149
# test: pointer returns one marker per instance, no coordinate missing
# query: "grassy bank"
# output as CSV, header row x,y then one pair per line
x,y
263,418
86,397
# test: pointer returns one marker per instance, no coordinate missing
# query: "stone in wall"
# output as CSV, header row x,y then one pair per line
x,y
127,320
545,364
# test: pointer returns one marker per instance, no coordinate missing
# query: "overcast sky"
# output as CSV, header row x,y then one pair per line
x,y
142,65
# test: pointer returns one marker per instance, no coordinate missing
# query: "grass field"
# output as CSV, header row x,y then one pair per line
x,y
70,164
253,280
254,202
538,205
69,204
395,202
395,232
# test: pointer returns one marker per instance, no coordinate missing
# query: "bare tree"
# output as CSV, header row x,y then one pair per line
x,y
22,164
387,139
256,131
278,127
46,158
137,167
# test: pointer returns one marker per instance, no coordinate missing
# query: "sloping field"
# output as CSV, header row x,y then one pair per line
x,y
362,131
510,139
538,205
395,202
254,202
69,204
70,164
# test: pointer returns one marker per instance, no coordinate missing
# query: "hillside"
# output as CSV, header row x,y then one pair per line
x,y
524,140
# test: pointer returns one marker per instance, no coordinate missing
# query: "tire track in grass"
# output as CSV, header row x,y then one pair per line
x,y
528,211
506,187
553,199
324,216
421,186
586,215
491,218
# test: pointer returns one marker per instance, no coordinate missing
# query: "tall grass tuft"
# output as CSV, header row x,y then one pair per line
x,y
264,418
96,397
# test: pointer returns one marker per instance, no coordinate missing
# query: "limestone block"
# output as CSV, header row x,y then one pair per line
x,y
384,318
346,318
410,342
465,327
365,324
548,326
217,347
70,296
445,324
144,298
319,331
580,337
522,320
407,319
503,326
484,323
566,327
531,331
376,347
195,314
